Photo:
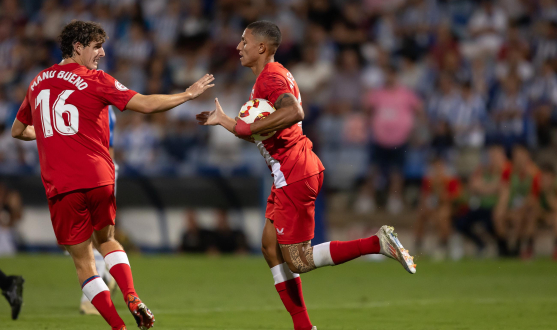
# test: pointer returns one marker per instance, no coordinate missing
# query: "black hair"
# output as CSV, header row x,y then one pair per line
x,y
268,30
82,32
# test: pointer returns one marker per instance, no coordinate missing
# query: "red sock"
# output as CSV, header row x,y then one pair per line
x,y
345,251
290,293
119,267
96,290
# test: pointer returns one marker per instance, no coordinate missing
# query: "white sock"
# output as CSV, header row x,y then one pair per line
x,y
281,273
101,269
93,286
322,255
116,257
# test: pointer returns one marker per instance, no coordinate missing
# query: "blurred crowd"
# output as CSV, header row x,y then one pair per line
x,y
397,93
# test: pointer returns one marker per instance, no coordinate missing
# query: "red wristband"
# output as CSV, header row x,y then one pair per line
x,y
242,129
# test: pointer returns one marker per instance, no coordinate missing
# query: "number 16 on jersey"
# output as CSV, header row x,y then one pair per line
x,y
66,116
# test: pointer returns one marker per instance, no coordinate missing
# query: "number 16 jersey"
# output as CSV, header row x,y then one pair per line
x,y
68,106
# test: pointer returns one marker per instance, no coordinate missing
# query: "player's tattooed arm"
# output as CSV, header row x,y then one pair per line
x,y
285,100
23,132
290,113
299,256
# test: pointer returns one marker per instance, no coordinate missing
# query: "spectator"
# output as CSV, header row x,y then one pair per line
x,y
467,126
509,112
515,202
545,43
347,85
312,74
439,194
393,111
487,27
543,98
228,240
194,238
484,186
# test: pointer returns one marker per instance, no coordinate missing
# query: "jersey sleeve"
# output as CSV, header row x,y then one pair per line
x,y
274,85
25,114
113,92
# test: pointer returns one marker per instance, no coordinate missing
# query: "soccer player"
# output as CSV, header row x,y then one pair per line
x,y
12,290
298,177
66,111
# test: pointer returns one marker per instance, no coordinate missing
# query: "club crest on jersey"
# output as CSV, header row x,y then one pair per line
x,y
280,231
119,86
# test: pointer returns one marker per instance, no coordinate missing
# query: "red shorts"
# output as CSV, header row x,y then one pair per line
x,y
76,213
292,209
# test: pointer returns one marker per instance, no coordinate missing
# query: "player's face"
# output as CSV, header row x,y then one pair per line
x,y
248,49
91,54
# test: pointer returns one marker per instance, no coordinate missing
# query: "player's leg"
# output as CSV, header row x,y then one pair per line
x,y
72,224
302,257
294,223
12,290
102,203
119,267
287,284
92,285
85,306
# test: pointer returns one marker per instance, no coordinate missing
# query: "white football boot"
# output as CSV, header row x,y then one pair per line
x,y
391,247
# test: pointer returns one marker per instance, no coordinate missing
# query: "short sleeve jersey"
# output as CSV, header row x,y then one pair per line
x,y
68,106
288,153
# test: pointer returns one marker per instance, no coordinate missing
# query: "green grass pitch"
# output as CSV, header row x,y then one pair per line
x,y
237,293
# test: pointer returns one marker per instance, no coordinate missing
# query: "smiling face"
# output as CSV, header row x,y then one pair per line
x,y
249,49
89,56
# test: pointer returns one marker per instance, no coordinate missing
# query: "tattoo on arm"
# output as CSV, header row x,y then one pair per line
x,y
285,100
301,255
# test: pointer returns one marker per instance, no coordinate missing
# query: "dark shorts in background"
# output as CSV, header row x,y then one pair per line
x,y
388,159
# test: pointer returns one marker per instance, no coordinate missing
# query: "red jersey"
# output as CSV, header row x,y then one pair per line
x,y
68,106
288,153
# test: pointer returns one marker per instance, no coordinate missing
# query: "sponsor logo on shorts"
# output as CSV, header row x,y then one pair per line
x,y
280,231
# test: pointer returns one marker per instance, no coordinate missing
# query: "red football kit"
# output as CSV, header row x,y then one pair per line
x,y
68,106
296,169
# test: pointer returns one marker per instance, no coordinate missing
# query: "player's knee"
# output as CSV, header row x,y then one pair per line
x,y
269,252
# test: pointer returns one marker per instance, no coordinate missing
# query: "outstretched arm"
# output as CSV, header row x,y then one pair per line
x,y
159,103
218,117
23,132
290,113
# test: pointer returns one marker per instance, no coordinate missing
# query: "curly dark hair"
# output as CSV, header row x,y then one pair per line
x,y
82,32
